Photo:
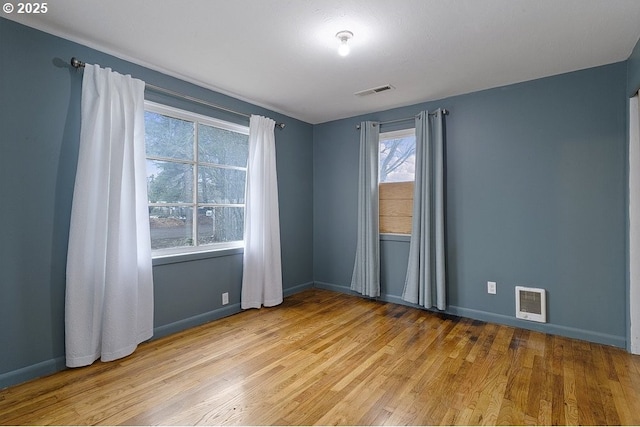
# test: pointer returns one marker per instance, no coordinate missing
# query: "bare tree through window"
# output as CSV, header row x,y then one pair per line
x,y
397,156
196,174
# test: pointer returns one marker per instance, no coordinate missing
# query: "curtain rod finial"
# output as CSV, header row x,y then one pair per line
x,y
76,63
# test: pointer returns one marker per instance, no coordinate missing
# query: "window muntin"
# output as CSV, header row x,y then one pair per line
x,y
196,174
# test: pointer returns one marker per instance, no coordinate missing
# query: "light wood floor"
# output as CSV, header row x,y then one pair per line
x,y
328,358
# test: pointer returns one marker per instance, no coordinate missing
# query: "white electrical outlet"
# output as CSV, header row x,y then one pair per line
x,y
491,288
225,298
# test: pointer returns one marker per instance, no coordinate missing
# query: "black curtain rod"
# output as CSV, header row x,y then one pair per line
x,y
405,119
76,63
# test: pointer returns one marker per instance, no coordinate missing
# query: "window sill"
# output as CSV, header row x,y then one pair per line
x,y
195,256
395,237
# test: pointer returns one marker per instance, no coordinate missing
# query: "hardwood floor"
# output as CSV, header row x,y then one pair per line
x,y
328,358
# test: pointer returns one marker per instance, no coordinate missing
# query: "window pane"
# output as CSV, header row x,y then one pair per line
x,y
222,147
397,159
220,185
183,185
171,226
220,224
169,182
168,137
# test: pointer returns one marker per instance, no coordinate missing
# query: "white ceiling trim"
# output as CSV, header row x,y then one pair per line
x,y
282,54
109,51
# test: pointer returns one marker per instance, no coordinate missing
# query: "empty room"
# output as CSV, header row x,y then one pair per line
x,y
319,212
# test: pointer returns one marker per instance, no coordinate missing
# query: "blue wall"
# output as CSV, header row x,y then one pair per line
x,y
535,196
633,71
40,124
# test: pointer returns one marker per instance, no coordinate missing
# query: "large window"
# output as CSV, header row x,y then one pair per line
x,y
397,176
196,174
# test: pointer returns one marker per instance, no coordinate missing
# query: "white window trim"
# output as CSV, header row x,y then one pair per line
x,y
213,247
395,134
209,121
189,116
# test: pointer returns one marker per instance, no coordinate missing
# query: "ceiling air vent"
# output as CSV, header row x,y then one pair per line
x,y
374,90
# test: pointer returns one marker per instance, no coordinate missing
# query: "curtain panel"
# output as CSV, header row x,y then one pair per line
x,y
425,281
109,290
634,224
366,270
262,266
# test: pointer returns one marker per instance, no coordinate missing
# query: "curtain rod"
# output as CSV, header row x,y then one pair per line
x,y
76,63
445,112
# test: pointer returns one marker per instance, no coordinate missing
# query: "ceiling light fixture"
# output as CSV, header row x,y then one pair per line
x,y
344,37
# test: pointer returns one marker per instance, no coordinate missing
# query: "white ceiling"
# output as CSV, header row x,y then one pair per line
x,y
282,54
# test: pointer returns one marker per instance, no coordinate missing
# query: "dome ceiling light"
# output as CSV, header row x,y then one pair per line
x,y
344,37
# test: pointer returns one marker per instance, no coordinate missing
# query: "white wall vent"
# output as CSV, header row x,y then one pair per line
x,y
374,90
531,304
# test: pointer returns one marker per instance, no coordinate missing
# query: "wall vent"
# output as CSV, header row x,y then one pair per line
x,y
531,304
374,90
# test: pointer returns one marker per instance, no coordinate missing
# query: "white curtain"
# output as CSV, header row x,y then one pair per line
x,y
366,269
634,223
425,282
262,267
109,297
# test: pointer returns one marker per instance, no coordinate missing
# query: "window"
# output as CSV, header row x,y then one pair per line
x,y
397,176
196,174
397,155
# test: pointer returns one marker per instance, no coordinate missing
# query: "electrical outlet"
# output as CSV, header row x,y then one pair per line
x,y
225,298
491,288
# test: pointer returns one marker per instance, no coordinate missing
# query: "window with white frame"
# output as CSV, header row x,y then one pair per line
x,y
196,174
397,155
396,180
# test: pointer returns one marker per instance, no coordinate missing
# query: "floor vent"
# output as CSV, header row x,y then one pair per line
x,y
531,304
374,90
